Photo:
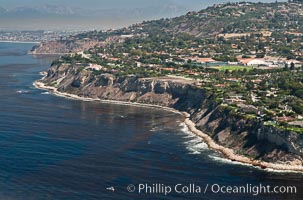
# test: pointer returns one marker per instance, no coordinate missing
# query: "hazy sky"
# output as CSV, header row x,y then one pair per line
x,y
94,14
111,3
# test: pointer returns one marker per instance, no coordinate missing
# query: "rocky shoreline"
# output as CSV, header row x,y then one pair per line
x,y
226,152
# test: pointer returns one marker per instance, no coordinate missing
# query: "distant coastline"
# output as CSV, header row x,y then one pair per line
x,y
21,42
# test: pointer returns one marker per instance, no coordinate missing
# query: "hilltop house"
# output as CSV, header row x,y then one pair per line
x,y
205,61
254,62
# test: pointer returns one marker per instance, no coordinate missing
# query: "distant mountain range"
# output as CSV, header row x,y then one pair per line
x,y
50,16
47,10
92,14
44,10
2,11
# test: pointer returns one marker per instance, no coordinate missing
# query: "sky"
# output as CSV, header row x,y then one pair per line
x,y
111,3
94,14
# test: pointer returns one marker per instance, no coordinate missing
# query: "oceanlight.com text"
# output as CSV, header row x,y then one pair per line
x,y
192,188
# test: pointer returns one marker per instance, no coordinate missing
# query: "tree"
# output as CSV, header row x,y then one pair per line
x,y
299,93
250,86
285,67
298,108
292,66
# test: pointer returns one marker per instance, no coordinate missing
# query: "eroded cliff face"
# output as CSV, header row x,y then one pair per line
x,y
64,47
247,137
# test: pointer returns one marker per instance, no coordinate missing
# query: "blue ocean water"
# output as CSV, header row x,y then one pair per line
x,y
57,148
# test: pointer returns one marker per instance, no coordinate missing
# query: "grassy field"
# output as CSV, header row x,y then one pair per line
x,y
232,68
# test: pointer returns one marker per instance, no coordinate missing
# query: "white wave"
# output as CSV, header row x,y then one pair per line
x,y
185,129
45,93
43,73
195,144
195,140
227,161
188,134
282,171
155,129
197,148
22,91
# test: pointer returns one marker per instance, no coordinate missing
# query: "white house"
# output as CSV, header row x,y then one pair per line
x,y
258,62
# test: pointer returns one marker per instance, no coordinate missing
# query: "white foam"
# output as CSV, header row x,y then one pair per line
x,y
188,134
185,129
22,91
227,161
194,140
155,129
43,73
45,93
195,144
282,171
197,148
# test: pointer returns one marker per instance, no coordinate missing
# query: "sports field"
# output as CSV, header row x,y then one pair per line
x,y
232,67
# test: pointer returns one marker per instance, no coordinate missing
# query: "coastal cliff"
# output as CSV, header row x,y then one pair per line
x,y
62,47
245,136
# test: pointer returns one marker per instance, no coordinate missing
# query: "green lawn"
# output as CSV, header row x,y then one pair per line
x,y
232,68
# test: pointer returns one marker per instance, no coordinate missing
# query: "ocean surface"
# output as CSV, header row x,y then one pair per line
x,y
57,148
